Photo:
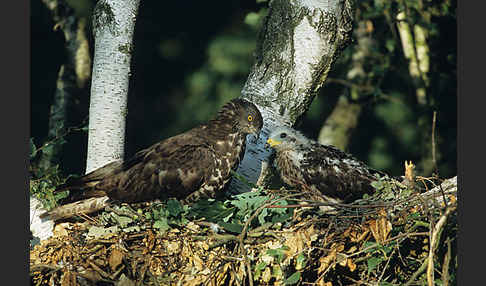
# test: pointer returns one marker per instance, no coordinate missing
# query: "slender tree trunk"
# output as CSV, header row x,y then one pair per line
x,y
339,126
73,75
113,23
298,43
416,50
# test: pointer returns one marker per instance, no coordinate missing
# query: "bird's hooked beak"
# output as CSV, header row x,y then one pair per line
x,y
272,143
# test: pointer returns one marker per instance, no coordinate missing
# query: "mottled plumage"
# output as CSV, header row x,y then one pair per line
x,y
322,171
188,166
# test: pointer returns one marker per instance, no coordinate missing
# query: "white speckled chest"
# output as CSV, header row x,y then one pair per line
x,y
229,153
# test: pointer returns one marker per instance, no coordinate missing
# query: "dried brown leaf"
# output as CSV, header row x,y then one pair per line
x,y
60,230
351,265
326,261
356,233
116,258
381,227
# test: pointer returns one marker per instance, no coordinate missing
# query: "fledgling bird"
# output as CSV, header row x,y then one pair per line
x,y
322,171
188,166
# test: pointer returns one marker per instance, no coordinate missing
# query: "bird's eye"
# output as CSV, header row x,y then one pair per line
x,y
250,118
283,135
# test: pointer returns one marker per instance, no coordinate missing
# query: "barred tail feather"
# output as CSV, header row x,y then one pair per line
x,y
69,210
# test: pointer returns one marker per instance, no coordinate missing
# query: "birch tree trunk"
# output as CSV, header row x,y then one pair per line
x,y
113,24
298,43
72,77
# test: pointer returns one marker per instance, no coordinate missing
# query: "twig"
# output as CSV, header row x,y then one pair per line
x,y
39,267
434,160
241,237
433,244
445,265
98,269
243,233
156,282
402,235
386,265
360,282
417,273
68,130
88,218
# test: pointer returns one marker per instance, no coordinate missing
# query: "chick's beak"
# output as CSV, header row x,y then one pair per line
x,y
271,143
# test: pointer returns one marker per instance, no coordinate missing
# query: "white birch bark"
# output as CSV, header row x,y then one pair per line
x,y
113,23
298,43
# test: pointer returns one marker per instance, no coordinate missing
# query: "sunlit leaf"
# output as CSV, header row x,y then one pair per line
x,y
292,279
300,261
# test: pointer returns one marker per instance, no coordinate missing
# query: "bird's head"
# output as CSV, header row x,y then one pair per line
x,y
284,138
248,117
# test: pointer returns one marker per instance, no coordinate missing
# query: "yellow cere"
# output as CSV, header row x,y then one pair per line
x,y
273,142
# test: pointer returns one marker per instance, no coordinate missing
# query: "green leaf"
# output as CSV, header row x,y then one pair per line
x,y
148,215
377,185
387,249
174,207
371,246
156,213
211,210
161,224
294,278
278,253
231,227
262,215
300,261
33,149
277,272
373,262
258,270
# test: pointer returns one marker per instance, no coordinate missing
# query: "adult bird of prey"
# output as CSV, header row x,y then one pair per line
x,y
188,166
322,171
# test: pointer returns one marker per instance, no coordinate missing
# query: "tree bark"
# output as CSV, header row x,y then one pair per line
x,y
73,74
339,126
113,24
298,43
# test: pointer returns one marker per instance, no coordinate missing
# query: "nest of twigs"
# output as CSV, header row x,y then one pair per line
x,y
394,238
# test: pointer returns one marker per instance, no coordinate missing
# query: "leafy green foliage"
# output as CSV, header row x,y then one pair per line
x,y
292,279
278,253
300,261
167,214
258,270
33,149
230,215
43,181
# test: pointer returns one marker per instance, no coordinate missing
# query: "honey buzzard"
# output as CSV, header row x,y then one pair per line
x,y
321,171
188,166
